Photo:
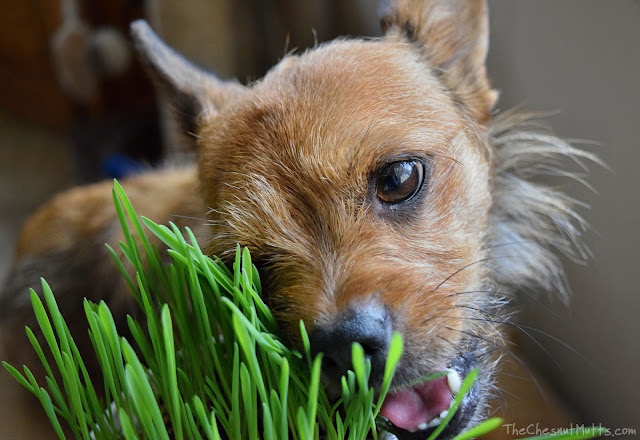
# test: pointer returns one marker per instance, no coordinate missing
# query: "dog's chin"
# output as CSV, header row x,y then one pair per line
x,y
415,412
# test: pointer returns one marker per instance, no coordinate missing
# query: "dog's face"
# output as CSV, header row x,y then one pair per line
x,y
359,174
362,192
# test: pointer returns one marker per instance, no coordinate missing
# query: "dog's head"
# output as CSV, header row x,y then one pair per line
x,y
364,177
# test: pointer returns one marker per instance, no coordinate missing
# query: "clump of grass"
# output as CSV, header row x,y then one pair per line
x,y
206,361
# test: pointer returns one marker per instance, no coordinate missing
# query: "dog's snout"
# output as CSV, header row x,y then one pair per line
x,y
369,325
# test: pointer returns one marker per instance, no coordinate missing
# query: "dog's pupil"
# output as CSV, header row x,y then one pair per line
x,y
399,181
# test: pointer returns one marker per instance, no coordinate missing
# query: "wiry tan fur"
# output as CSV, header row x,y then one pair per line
x,y
285,168
531,221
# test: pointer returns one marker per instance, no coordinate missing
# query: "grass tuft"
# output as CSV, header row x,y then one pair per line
x,y
204,363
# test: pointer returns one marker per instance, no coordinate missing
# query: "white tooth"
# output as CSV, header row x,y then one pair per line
x,y
422,426
444,414
454,381
434,422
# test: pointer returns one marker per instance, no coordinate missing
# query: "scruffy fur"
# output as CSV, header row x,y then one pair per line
x,y
285,167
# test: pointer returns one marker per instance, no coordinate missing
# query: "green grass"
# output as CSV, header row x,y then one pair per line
x,y
206,361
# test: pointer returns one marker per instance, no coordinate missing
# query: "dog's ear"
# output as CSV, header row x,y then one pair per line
x,y
193,92
453,37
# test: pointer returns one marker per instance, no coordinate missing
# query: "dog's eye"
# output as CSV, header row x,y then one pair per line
x,y
399,181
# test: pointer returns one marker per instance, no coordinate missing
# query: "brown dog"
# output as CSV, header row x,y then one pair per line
x,y
374,188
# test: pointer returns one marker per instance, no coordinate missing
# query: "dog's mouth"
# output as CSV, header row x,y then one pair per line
x,y
416,411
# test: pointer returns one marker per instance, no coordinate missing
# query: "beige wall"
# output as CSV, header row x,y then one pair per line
x,y
582,58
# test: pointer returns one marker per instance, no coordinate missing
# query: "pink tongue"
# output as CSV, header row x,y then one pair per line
x,y
409,408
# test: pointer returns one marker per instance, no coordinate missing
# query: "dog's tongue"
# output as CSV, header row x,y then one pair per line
x,y
411,407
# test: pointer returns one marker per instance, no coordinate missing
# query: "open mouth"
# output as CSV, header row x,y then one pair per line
x,y
415,412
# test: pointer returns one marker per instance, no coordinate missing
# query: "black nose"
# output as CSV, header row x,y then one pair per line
x,y
368,325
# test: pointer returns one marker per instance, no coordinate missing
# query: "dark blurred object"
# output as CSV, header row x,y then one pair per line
x,y
28,86
120,166
66,64
28,82
84,56
267,29
115,145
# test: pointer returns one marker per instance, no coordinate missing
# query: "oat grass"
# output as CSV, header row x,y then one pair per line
x,y
205,362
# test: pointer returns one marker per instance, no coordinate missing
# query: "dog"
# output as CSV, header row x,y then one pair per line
x,y
376,189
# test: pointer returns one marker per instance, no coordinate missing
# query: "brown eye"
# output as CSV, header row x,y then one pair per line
x,y
399,181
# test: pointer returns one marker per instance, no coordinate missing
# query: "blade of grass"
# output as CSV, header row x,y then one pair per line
x,y
467,383
481,429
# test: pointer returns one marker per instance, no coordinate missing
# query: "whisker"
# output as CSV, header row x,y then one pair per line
x,y
523,327
444,156
483,260
514,325
469,292
189,217
505,350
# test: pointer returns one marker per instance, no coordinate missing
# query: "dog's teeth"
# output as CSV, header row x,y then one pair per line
x,y
444,414
454,381
434,422
422,426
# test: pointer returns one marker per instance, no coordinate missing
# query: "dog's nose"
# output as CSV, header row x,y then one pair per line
x,y
369,325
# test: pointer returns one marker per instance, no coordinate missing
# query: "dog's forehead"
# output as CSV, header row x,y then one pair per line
x,y
345,102
350,85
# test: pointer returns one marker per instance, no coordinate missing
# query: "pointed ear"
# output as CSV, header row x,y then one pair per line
x,y
193,93
453,36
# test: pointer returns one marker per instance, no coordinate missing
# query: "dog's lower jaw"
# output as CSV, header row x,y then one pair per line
x,y
468,414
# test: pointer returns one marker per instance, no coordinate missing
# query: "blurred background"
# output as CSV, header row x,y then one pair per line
x,y
75,107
